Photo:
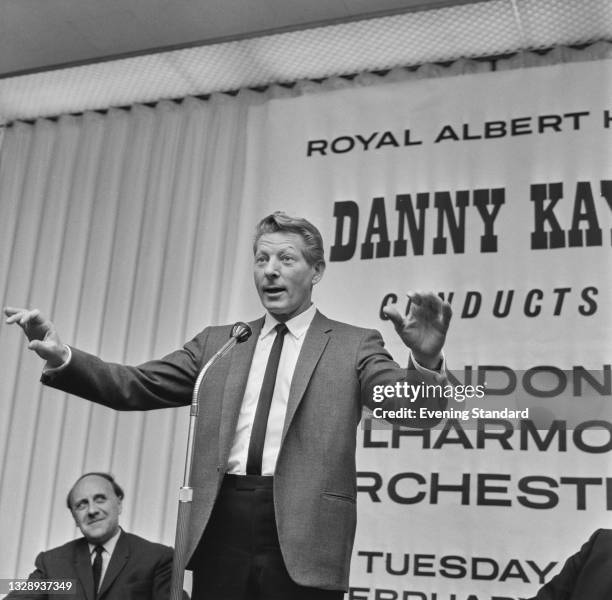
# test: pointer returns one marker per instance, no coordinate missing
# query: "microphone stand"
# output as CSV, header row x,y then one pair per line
x,y
240,333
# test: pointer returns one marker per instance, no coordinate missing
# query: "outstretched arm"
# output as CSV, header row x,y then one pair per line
x,y
156,384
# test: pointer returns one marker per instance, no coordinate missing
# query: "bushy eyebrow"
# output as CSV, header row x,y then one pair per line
x,y
285,250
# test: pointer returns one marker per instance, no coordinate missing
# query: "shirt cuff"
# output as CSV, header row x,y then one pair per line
x,y
52,370
437,373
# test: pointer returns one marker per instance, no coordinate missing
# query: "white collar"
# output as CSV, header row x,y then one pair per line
x,y
297,326
108,545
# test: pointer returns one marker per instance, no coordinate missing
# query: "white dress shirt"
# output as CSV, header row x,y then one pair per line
x,y
109,548
292,344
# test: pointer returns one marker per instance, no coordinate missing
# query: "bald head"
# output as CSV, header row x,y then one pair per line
x,y
95,502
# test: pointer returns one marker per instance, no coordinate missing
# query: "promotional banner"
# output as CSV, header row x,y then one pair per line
x,y
494,191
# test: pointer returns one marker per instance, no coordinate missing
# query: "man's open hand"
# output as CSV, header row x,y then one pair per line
x,y
41,334
424,328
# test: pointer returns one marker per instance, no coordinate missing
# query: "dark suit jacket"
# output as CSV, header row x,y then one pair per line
x,y
138,570
315,477
587,575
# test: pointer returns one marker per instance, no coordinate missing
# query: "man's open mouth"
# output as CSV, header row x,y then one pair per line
x,y
273,290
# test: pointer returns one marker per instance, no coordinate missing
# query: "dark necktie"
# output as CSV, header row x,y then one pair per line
x,y
260,424
97,568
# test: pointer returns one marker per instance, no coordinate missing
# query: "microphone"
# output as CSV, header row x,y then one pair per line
x,y
240,333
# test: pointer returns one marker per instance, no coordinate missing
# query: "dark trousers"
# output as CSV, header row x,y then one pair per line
x,y
239,556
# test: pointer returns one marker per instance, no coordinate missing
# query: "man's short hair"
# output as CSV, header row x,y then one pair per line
x,y
280,221
116,487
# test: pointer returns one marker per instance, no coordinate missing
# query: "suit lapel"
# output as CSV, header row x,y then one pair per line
x,y
118,560
82,565
233,393
314,343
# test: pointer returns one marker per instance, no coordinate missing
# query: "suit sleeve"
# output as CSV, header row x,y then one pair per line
x,y
416,389
163,383
561,586
40,573
162,576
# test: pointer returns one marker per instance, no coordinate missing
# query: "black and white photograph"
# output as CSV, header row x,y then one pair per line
x,y
306,300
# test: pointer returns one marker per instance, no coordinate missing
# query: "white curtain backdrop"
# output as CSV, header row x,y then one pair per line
x,y
118,226
122,227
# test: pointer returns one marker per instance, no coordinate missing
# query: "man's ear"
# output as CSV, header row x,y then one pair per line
x,y
120,506
318,274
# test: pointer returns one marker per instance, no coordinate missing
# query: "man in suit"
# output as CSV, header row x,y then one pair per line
x,y
106,563
274,479
586,575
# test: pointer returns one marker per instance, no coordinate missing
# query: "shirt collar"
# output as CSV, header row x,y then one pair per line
x,y
297,326
109,545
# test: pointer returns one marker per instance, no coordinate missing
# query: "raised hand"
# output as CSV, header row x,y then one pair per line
x,y
424,328
41,333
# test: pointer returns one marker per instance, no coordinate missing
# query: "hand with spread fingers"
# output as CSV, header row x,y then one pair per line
x,y
424,328
41,333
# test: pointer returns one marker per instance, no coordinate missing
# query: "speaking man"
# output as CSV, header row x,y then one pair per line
x,y
106,563
273,514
